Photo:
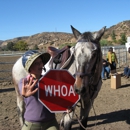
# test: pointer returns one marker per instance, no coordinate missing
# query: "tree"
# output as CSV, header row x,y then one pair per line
x,y
66,44
10,46
4,48
35,47
105,42
113,36
123,39
21,46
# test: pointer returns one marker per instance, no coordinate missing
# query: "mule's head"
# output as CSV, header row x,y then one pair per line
x,y
88,59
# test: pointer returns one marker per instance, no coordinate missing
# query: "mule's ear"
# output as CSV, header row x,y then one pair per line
x,y
75,32
99,34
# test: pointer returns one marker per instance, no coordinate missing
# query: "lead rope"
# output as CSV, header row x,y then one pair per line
x,y
80,121
61,122
94,112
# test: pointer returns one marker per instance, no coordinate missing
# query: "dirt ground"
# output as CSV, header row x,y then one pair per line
x,y
111,109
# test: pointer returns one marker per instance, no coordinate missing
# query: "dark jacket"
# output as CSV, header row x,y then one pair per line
x,y
106,63
129,49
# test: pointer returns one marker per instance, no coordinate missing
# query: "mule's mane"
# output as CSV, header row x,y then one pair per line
x,y
88,36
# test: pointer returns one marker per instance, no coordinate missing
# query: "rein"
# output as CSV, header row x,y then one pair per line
x,y
78,119
91,85
94,72
92,88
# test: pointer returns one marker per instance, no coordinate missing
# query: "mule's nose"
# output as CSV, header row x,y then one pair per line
x,y
83,90
77,91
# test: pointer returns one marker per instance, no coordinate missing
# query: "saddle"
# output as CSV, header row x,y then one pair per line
x,y
59,56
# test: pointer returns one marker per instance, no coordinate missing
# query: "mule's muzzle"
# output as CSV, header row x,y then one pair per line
x,y
82,90
77,91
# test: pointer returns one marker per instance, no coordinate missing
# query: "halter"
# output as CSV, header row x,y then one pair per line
x,y
94,79
92,86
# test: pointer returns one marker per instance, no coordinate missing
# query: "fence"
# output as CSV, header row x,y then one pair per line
x,y
121,52
8,59
6,64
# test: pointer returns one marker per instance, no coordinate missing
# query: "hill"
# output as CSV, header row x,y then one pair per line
x,y
57,39
120,28
45,39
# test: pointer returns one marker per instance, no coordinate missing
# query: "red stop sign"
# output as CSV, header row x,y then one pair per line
x,y
56,91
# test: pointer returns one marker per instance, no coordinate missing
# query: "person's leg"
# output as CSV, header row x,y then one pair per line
x,y
103,73
51,125
128,73
107,69
27,126
114,65
125,71
111,66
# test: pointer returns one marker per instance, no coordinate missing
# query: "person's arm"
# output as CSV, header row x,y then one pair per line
x,y
116,58
129,50
107,57
104,62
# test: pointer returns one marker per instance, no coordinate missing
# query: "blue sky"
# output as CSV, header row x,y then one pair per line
x,y
28,17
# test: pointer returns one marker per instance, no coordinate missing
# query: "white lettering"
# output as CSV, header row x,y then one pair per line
x,y
48,89
57,90
64,92
52,90
71,91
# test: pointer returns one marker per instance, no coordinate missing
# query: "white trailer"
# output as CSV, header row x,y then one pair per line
x,y
128,43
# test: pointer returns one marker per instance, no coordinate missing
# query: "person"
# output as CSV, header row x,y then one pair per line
x,y
105,70
112,59
129,50
127,72
37,116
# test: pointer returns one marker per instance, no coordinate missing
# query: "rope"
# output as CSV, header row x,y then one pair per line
x,y
94,112
62,121
78,119
80,122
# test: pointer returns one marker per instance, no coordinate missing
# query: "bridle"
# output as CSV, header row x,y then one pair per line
x,y
92,85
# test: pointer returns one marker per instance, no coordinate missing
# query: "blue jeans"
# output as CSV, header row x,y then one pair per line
x,y
127,71
105,70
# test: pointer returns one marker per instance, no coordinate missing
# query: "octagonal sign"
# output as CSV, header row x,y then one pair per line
x,y
56,91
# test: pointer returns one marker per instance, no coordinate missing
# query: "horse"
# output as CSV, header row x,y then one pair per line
x,y
86,67
84,61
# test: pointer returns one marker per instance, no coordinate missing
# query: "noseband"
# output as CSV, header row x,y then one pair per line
x,y
92,85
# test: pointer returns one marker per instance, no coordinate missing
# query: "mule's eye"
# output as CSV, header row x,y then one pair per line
x,y
94,55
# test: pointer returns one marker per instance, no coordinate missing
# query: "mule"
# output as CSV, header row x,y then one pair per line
x,y
84,62
86,68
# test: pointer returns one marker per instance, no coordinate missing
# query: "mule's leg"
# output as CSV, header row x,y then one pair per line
x,y
84,113
68,121
84,118
20,104
20,109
